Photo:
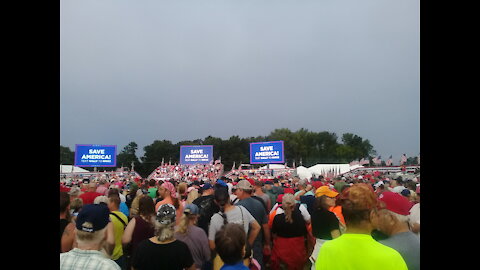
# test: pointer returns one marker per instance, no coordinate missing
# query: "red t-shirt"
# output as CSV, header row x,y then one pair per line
x,y
89,197
316,184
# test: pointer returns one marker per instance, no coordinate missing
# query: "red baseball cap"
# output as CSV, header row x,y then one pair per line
x,y
395,202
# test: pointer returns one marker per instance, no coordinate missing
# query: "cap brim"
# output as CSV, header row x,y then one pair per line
x,y
331,194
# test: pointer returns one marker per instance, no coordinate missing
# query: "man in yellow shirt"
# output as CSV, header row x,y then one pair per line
x,y
119,221
356,249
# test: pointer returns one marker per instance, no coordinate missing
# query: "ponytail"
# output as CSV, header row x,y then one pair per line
x,y
288,204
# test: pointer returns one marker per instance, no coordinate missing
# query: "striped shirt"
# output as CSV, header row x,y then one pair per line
x,y
87,260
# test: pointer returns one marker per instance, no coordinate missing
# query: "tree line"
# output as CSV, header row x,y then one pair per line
x,y
302,147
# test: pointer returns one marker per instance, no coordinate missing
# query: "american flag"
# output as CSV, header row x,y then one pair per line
x,y
389,161
403,159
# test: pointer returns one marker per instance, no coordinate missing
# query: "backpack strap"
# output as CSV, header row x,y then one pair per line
x,y
121,220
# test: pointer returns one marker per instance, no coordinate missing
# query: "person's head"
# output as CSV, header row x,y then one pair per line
x,y
113,191
74,192
152,183
92,187
268,185
207,189
392,215
101,199
167,189
192,195
302,184
76,204
64,202
244,189
133,187
325,190
358,201
259,186
113,202
165,222
190,216
146,206
288,205
182,188
324,202
91,225
230,243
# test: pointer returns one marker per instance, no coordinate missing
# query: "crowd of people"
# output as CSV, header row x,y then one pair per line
x,y
187,173
244,221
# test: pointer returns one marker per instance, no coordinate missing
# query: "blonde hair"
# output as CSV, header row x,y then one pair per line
x,y
192,195
182,188
288,204
184,221
164,232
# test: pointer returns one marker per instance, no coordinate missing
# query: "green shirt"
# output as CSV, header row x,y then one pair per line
x,y
359,252
152,192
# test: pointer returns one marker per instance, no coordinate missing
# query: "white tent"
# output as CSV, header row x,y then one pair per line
x,y
68,169
324,169
303,173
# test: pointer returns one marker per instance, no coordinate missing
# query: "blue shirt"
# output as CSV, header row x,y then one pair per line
x,y
124,209
237,266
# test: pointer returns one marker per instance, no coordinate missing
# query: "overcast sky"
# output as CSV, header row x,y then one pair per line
x,y
182,70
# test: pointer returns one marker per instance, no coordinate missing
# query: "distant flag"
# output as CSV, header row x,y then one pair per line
x,y
403,159
389,161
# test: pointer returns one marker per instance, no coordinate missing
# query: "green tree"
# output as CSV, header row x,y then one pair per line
x,y
67,157
154,153
128,155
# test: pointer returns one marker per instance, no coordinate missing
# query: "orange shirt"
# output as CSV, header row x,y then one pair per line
x,y
337,210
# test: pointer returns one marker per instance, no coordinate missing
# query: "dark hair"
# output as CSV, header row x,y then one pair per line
x,y
222,197
229,242
64,201
152,182
146,206
320,202
113,191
